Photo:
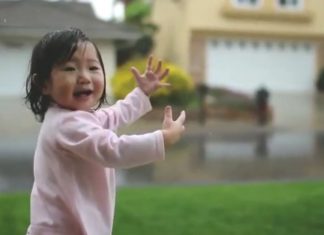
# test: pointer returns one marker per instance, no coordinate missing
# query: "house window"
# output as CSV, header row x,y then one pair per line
x,y
247,3
290,4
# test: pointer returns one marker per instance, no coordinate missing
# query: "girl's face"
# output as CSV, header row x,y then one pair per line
x,y
78,83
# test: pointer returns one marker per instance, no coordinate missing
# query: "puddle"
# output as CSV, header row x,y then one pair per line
x,y
207,158
213,159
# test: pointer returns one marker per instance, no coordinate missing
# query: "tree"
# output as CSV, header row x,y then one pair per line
x,y
136,13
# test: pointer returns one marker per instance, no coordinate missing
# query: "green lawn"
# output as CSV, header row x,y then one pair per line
x,y
251,209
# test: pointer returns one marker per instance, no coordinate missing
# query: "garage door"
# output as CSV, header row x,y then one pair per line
x,y
245,65
13,68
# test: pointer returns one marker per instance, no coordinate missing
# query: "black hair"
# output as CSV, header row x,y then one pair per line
x,y
54,48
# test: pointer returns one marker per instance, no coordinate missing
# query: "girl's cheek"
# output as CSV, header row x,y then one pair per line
x,y
99,82
64,90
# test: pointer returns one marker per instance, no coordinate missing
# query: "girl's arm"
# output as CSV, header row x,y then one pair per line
x,y
80,134
125,111
137,102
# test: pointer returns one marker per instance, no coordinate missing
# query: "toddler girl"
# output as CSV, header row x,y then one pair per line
x,y
78,149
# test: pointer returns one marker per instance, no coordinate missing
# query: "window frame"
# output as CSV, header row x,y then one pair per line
x,y
289,7
246,5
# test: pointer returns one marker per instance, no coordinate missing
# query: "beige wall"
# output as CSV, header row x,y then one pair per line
x,y
220,16
180,20
186,26
171,18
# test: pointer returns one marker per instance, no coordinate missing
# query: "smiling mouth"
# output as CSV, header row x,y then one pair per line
x,y
82,93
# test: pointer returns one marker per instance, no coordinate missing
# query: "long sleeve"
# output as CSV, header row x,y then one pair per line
x,y
82,135
125,111
74,166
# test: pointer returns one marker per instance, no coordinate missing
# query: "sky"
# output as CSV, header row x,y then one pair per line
x,y
104,9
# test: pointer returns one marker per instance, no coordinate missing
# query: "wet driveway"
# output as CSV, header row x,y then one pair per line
x,y
205,157
237,157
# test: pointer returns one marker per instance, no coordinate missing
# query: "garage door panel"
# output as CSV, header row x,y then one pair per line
x,y
245,65
13,67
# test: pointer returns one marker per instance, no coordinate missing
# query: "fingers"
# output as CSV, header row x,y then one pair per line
x,y
136,73
164,74
164,84
168,113
158,68
149,63
182,117
149,66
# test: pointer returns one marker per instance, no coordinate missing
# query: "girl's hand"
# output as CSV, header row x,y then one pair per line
x,y
150,81
172,130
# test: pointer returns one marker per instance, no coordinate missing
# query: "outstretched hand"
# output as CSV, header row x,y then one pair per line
x,y
172,129
150,80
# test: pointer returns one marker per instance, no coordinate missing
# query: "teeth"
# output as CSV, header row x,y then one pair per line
x,y
79,93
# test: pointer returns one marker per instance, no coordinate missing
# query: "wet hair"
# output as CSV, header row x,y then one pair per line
x,y
54,48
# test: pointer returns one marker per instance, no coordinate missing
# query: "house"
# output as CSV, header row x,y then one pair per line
x,y
23,23
245,44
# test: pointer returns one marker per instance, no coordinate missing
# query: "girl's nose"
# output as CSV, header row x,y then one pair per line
x,y
83,77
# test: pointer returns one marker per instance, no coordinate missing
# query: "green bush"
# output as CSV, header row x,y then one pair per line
x,y
181,92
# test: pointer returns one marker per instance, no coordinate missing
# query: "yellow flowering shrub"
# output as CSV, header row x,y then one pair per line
x,y
181,91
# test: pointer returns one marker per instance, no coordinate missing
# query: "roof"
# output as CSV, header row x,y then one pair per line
x,y
34,18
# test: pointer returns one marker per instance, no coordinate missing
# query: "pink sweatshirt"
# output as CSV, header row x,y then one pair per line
x,y
76,153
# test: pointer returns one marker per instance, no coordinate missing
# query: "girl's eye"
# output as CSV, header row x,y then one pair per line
x,y
68,68
93,68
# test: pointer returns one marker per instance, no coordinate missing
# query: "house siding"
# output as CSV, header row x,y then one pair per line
x,y
209,16
189,25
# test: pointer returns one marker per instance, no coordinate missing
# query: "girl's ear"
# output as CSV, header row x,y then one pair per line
x,y
46,88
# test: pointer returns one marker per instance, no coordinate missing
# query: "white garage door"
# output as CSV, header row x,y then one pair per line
x,y
14,61
245,65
